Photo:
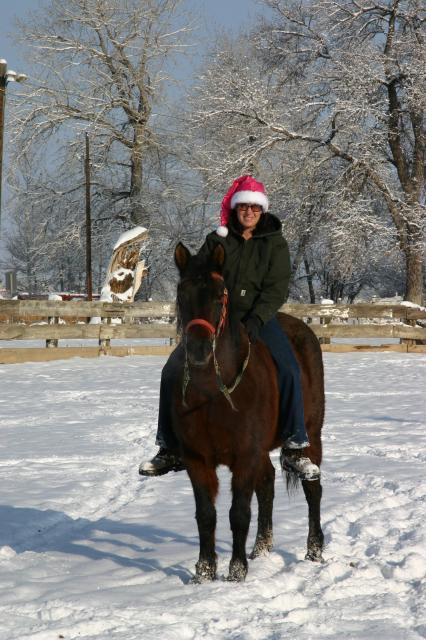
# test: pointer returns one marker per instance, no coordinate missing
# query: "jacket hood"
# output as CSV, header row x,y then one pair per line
x,y
271,226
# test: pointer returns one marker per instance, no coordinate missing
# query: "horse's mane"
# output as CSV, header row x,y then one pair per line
x,y
199,269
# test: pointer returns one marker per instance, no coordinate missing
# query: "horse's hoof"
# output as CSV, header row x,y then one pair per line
x,y
261,550
237,571
315,555
204,572
236,578
262,547
198,579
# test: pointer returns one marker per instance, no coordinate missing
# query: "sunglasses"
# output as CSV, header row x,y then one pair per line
x,y
245,207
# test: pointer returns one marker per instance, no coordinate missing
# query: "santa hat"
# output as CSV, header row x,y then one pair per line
x,y
244,190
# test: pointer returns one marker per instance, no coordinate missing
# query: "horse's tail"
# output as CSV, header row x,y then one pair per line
x,y
291,477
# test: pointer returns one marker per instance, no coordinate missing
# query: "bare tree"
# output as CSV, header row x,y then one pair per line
x,y
42,237
102,65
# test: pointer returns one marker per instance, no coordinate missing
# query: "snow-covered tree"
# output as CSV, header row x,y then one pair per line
x,y
332,90
105,67
102,66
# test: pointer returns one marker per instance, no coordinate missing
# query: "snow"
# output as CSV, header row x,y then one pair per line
x,y
412,305
89,550
131,234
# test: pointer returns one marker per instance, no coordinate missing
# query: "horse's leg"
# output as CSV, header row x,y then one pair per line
x,y
265,498
239,517
205,485
313,493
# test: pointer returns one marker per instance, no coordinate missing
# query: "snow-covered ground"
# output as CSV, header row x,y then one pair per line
x,y
88,550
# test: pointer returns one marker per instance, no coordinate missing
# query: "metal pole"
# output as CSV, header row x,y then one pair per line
x,y
3,82
89,290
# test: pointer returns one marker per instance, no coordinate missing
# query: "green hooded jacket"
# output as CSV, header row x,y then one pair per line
x,y
256,271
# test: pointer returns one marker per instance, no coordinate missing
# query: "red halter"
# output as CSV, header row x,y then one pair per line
x,y
215,331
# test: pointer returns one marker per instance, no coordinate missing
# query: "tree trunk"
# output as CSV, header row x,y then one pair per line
x,y
412,246
136,212
309,280
414,274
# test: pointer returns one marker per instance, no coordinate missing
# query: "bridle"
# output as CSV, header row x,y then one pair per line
x,y
215,333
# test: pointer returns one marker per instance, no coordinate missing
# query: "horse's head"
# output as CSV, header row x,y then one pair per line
x,y
201,301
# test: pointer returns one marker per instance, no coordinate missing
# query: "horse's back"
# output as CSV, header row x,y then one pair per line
x,y
308,353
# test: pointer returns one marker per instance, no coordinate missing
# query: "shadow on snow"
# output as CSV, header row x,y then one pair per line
x,y
28,529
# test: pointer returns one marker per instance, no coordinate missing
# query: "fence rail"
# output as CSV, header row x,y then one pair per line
x,y
52,321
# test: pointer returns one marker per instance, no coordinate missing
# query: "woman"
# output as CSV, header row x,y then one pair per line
x,y
257,273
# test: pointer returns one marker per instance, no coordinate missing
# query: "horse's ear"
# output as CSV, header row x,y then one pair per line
x,y
218,257
182,256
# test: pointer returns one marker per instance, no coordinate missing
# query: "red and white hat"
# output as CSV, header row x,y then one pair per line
x,y
244,190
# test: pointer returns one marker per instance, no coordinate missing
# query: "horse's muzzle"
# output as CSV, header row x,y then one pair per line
x,y
199,350
199,359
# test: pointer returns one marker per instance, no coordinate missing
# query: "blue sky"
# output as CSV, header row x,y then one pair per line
x,y
214,15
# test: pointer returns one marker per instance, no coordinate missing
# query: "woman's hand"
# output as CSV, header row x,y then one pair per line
x,y
253,325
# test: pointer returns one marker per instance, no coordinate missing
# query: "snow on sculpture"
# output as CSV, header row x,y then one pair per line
x,y
125,271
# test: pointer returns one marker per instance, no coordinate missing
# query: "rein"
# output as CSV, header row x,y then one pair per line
x,y
223,388
215,332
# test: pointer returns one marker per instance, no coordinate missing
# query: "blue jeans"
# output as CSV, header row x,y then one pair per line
x,y
292,421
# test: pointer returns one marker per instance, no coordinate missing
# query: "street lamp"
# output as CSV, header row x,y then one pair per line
x,y
5,77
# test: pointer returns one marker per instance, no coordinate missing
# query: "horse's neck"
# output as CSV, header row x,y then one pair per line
x,y
231,350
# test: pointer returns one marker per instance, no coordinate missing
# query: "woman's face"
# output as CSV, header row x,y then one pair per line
x,y
248,215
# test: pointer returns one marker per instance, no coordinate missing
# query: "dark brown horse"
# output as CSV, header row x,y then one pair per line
x,y
226,412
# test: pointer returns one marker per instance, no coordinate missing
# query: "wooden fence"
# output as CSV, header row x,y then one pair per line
x,y
54,321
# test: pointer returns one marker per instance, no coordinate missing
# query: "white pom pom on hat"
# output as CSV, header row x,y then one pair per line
x,y
222,231
244,190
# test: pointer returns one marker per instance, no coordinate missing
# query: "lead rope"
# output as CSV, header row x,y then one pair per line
x,y
222,387
186,378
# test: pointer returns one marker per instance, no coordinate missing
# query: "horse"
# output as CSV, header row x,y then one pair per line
x,y
225,412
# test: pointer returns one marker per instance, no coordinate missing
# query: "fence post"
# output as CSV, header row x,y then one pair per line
x,y
51,343
324,321
105,343
408,341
